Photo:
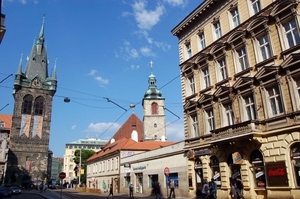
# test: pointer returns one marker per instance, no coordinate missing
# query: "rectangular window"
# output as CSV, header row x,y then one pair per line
x,y
206,79
191,85
188,50
194,126
202,43
255,6
229,114
210,120
276,107
264,46
292,33
250,108
218,32
222,68
242,59
235,17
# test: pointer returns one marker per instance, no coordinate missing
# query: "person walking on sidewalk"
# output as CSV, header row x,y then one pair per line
x,y
131,190
111,191
172,189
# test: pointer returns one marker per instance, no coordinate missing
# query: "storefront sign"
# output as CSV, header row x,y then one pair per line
x,y
276,174
235,175
127,170
139,168
237,158
202,152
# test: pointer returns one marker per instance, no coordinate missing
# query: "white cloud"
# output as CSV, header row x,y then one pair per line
x,y
101,127
73,127
93,72
175,132
176,2
147,52
147,19
134,67
101,80
127,52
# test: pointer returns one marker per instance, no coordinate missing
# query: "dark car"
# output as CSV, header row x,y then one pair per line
x,y
5,192
15,189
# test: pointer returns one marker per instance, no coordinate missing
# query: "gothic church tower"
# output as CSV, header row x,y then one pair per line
x,y
154,113
29,139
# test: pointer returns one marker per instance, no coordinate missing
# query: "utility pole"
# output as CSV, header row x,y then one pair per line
x,y
79,166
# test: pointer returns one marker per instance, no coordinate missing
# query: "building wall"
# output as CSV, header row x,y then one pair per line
x,y
218,116
153,163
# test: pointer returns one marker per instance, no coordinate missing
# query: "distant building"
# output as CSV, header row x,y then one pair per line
x,y
33,94
239,67
57,167
5,128
2,19
94,144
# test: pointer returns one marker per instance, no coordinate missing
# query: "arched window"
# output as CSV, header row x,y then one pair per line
x,y
154,108
27,104
198,172
215,169
295,156
39,105
257,162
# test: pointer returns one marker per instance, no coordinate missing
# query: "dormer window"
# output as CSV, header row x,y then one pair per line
x,y
2,124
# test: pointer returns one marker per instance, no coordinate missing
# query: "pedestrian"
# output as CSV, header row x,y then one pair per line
x,y
172,189
205,189
232,192
131,190
239,188
213,188
104,187
157,191
111,191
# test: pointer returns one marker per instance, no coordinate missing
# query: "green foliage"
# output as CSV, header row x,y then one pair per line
x,y
85,154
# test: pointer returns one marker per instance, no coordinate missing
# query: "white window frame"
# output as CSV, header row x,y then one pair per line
x,y
194,126
255,6
222,69
191,89
249,107
217,30
227,115
293,33
274,98
264,47
241,59
235,18
205,78
188,48
209,120
201,39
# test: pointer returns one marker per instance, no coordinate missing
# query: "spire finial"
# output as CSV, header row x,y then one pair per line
x,y
20,65
151,65
41,35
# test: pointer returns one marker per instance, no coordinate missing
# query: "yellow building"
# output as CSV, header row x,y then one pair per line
x,y
241,88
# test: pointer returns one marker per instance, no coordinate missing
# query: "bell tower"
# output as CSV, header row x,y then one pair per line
x,y
154,113
33,95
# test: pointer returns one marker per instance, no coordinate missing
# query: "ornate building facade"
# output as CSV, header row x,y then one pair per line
x,y
240,87
29,141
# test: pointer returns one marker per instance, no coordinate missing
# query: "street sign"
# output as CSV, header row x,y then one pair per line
x,y
62,175
167,171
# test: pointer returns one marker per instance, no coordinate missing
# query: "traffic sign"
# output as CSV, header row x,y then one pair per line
x,y
167,171
62,175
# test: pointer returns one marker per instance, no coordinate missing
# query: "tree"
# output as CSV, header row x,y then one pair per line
x,y
85,154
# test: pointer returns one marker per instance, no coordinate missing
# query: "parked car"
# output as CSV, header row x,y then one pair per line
x,y
5,192
15,189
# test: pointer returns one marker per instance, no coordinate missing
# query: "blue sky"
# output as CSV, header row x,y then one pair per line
x,y
102,49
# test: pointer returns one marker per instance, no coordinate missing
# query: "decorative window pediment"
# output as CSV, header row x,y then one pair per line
x,y
189,104
243,81
217,50
222,91
291,61
237,38
255,26
205,98
266,71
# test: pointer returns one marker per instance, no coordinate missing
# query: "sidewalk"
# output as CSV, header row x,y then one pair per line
x,y
49,194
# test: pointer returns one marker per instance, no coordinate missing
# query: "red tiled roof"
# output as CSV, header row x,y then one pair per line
x,y
128,144
132,123
7,119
